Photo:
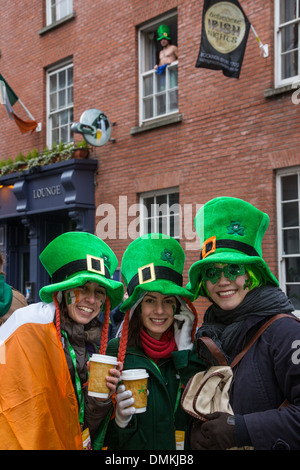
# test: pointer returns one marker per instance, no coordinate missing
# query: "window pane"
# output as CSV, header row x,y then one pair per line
x,y
53,102
161,104
61,99
148,85
63,118
289,187
160,82
53,83
290,214
287,10
53,14
55,120
173,77
173,198
293,293
70,95
174,209
148,201
149,225
289,42
55,136
64,134
291,241
174,226
289,38
63,10
70,76
163,225
62,79
173,100
161,200
148,108
289,65
292,270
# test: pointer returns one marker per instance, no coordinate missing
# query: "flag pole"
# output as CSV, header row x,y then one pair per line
x,y
263,47
39,124
24,107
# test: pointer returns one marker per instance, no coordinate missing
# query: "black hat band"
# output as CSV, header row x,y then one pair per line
x,y
91,264
210,246
151,273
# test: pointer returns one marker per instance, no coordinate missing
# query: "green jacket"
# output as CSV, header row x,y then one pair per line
x,y
155,428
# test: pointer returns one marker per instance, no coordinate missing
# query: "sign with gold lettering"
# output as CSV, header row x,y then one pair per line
x,y
225,29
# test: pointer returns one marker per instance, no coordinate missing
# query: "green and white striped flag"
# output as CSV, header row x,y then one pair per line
x,y
8,98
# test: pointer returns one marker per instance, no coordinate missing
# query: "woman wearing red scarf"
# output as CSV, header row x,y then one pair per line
x,y
157,335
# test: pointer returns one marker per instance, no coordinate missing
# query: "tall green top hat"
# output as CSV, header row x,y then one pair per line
x,y
74,258
230,231
163,32
153,262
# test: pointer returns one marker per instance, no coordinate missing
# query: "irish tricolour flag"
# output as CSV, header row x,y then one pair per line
x,y
9,98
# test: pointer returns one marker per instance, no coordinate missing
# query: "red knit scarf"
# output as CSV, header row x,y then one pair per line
x,y
157,349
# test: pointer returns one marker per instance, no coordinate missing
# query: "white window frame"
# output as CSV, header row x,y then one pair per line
x,y
281,255
155,216
59,6
68,107
279,81
144,30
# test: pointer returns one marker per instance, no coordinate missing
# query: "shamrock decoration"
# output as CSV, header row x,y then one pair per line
x,y
236,228
167,255
143,389
106,260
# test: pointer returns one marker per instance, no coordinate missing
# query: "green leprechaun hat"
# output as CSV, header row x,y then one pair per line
x,y
6,296
153,262
74,258
163,32
230,231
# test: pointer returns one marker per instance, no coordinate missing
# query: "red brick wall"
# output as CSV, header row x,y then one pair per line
x,y
230,142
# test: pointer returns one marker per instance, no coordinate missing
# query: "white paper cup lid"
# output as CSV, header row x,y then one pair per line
x,y
133,374
104,359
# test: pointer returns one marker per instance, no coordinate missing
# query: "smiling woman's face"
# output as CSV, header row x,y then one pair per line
x,y
226,293
85,302
157,313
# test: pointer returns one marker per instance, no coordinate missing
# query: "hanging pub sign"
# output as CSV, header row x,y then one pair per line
x,y
225,29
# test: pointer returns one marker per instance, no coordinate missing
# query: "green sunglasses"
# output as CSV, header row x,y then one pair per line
x,y
231,271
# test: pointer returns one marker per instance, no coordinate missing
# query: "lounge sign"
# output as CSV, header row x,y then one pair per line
x,y
47,191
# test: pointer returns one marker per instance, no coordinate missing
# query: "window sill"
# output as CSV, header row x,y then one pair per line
x,y
270,92
52,26
158,122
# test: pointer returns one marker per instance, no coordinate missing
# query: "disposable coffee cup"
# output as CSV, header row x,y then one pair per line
x,y
136,380
100,366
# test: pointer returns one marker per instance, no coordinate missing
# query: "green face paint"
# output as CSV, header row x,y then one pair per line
x,y
174,309
69,299
231,271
